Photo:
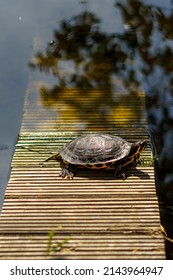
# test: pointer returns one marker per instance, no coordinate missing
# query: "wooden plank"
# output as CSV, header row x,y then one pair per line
x,y
61,115
103,217
92,246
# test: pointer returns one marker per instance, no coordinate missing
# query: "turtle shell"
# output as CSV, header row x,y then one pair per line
x,y
93,149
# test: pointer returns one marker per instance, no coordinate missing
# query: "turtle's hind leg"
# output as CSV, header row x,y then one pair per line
x,y
67,170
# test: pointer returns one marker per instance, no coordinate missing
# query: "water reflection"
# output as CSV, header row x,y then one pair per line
x,y
152,26
92,65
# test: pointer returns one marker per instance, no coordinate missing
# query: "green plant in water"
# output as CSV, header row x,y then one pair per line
x,y
149,161
53,247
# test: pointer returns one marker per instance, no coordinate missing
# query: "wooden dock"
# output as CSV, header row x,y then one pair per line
x,y
94,216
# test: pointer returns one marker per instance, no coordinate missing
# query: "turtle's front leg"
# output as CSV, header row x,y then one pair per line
x,y
67,170
138,160
119,172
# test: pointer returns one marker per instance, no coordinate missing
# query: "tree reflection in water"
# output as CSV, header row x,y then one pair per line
x,y
85,60
86,63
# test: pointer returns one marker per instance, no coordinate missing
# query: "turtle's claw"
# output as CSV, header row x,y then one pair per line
x,y
120,175
66,174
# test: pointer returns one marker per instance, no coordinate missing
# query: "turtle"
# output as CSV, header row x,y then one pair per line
x,y
98,151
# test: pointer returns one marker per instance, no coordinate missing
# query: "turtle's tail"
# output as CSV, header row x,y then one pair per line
x,y
56,157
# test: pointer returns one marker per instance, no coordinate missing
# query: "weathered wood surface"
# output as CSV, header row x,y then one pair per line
x,y
103,217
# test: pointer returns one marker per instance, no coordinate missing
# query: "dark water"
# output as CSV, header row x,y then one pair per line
x,y
81,44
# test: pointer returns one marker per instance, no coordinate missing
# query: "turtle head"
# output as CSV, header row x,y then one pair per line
x,y
139,146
